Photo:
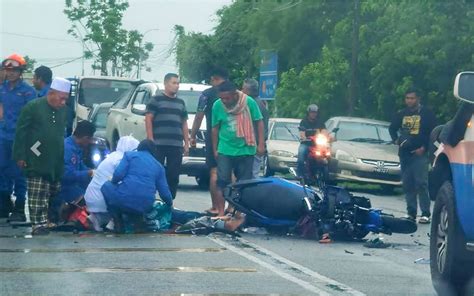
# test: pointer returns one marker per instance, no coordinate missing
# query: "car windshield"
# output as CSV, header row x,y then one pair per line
x,y
363,132
285,131
98,91
190,98
100,118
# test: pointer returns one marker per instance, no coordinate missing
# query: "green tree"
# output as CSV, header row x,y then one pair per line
x,y
30,64
98,24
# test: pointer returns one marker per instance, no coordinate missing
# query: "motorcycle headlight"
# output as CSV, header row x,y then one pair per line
x,y
321,140
344,156
282,153
96,157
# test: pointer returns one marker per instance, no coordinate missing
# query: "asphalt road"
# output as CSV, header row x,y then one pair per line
x,y
146,264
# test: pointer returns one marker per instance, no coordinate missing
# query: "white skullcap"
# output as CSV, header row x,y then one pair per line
x,y
61,84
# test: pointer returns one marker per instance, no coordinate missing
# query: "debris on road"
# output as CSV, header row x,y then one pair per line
x,y
376,243
422,261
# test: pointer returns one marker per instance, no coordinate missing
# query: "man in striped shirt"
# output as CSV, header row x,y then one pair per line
x,y
166,125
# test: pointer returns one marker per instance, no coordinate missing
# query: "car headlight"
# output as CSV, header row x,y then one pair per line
x,y
344,156
282,153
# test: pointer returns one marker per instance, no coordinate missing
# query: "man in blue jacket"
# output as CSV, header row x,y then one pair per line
x,y
14,95
42,79
76,174
132,188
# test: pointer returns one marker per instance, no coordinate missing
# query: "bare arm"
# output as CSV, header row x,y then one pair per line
x,y
302,136
215,138
196,126
261,138
185,137
149,126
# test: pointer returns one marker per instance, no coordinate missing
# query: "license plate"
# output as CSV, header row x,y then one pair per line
x,y
381,170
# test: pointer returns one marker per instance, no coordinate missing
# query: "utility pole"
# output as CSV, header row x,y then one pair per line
x,y
83,57
355,57
139,67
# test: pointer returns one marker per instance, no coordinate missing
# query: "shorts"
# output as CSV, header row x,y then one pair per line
x,y
241,166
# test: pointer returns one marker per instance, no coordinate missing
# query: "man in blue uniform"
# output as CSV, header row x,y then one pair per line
x,y
76,174
14,95
42,80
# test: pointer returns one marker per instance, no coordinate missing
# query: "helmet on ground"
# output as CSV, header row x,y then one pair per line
x,y
312,108
14,61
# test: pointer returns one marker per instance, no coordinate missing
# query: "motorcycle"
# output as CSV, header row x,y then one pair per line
x,y
95,153
276,203
316,162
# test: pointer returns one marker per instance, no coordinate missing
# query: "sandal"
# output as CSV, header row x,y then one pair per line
x,y
325,239
40,230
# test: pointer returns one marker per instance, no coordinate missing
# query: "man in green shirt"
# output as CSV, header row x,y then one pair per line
x,y
39,150
233,137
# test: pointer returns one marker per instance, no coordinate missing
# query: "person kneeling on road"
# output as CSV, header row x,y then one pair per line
x,y
134,184
94,198
76,174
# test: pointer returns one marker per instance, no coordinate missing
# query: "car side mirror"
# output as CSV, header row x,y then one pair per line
x,y
139,109
464,87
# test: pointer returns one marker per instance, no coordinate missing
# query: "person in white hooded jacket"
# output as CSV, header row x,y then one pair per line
x,y
95,202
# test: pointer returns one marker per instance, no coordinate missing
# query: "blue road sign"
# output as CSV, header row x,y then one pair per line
x,y
268,74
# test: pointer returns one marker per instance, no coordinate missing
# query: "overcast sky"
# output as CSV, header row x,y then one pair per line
x,y
45,20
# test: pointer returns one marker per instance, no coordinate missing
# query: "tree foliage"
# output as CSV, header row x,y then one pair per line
x,y
98,24
402,44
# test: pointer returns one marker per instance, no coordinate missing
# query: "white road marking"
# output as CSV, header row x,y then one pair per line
x,y
327,282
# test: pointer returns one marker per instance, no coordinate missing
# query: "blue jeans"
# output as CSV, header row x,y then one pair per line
x,y
10,171
303,151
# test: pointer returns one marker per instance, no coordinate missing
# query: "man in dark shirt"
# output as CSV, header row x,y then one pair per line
x,y
410,130
250,87
206,101
309,126
166,125
42,80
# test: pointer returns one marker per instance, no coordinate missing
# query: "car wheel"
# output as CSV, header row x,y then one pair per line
x,y
451,266
203,181
267,171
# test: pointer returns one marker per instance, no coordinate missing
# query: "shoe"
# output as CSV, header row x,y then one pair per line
x,y
40,230
410,217
424,220
95,223
17,217
6,205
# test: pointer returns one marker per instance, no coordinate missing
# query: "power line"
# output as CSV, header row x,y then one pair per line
x,y
38,37
65,63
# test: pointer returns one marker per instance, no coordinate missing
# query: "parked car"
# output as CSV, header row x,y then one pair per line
x,y
452,186
282,145
363,152
92,90
98,116
127,117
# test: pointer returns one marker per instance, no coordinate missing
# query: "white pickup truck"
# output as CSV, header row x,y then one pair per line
x,y
127,117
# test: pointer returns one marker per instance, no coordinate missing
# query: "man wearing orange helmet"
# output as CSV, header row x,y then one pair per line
x,y
14,94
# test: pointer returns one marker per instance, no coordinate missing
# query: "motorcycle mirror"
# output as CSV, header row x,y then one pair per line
x,y
293,172
307,204
464,87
